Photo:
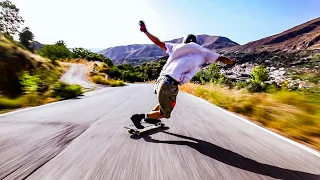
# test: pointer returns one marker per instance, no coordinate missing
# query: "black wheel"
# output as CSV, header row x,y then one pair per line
x,y
131,131
162,125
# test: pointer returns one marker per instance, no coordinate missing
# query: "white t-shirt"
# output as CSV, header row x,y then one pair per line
x,y
185,60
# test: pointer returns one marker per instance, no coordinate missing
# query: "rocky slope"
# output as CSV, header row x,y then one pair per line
x,y
305,36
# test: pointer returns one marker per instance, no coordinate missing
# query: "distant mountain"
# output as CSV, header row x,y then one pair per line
x,y
305,36
136,51
37,46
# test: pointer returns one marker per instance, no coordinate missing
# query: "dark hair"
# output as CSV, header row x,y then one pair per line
x,y
190,38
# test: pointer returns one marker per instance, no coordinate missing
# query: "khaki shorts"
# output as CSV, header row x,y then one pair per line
x,y
167,93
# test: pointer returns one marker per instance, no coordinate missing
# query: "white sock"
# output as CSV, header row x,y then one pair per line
x,y
146,116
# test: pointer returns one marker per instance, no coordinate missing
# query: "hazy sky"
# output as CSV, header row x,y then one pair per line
x,y
108,23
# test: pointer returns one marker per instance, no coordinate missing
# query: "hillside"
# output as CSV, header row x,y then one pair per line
x,y
13,61
119,54
305,36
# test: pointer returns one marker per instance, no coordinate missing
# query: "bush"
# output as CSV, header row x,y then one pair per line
x,y
47,78
241,84
114,73
100,80
55,52
211,74
29,83
23,101
115,83
257,79
255,86
30,100
259,74
224,80
6,103
66,91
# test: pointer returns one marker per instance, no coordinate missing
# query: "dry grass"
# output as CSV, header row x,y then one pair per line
x,y
98,79
89,64
288,113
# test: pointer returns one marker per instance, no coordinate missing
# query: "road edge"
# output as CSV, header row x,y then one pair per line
x,y
306,148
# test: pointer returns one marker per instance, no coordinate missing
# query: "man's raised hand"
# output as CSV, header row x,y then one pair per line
x,y
143,27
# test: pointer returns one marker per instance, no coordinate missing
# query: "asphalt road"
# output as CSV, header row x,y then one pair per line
x,y
85,138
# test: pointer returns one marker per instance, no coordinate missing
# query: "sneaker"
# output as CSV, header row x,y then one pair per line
x,y
136,119
152,121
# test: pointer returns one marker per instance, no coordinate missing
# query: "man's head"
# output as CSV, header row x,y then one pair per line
x,y
189,38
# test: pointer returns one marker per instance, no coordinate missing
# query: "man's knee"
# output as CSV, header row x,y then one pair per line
x,y
166,115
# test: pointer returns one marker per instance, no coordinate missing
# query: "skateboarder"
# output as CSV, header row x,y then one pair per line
x,y
185,60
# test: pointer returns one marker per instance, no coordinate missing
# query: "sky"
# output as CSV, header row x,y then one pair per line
x,y
109,23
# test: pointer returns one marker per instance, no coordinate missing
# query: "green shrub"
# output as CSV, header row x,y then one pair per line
x,y
30,100
224,80
115,83
259,74
29,83
114,73
257,79
99,80
255,86
48,78
55,52
6,103
241,84
66,91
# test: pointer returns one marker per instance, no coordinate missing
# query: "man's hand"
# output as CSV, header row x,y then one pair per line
x,y
225,60
143,27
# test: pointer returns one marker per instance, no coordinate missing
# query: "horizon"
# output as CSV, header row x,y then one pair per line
x,y
167,20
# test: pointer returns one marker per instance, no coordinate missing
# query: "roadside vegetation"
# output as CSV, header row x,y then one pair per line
x,y
27,77
288,109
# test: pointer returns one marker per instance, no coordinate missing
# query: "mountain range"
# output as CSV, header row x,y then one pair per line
x,y
305,36
150,50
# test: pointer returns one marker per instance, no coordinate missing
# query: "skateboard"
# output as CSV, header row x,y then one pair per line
x,y
147,127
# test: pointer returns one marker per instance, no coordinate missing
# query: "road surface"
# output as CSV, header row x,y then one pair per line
x,y
85,138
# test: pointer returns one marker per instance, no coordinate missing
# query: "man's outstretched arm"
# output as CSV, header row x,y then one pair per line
x,y
212,56
154,39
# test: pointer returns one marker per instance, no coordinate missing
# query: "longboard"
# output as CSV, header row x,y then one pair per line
x,y
148,127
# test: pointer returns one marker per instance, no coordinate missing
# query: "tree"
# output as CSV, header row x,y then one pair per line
x,y
26,37
258,78
10,20
55,52
61,43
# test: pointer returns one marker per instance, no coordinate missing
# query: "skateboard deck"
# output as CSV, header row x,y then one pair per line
x,y
147,126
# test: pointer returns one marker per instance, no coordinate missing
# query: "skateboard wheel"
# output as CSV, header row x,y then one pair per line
x,y
137,133
162,125
131,131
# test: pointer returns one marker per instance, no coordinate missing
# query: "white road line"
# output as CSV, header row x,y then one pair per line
x,y
308,149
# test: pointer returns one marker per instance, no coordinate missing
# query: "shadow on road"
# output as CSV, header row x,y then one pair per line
x,y
233,159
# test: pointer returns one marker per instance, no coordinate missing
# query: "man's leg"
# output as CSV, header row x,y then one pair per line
x,y
154,115
156,108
